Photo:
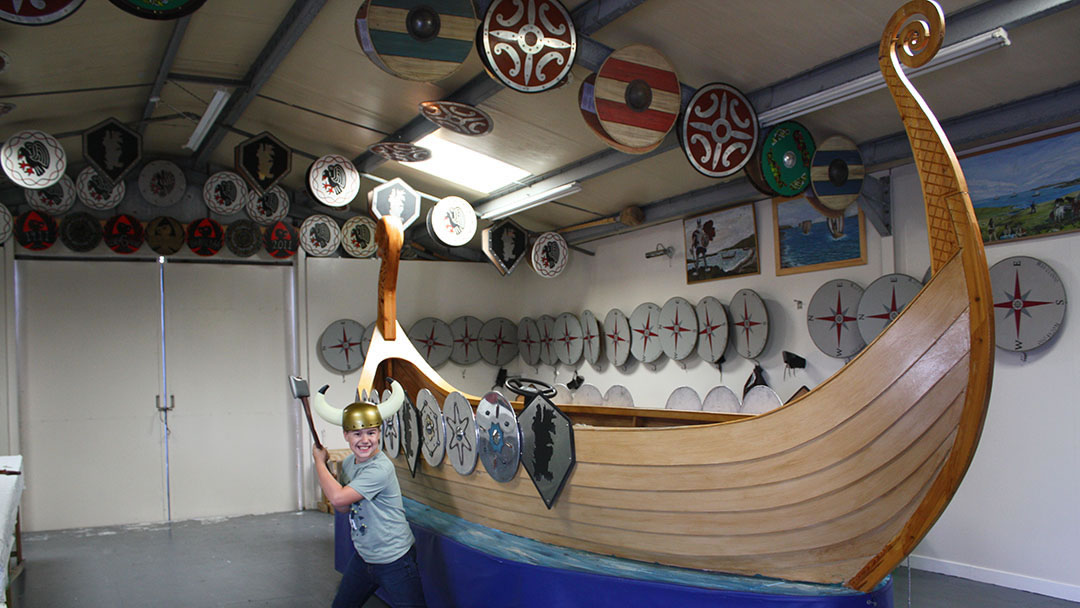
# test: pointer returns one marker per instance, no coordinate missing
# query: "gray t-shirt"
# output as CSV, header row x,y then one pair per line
x,y
380,531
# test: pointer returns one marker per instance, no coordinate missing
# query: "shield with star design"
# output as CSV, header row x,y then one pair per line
x,y
832,318
461,433
528,336
591,337
645,333
750,322
433,339
340,346
616,337
499,341
678,328
882,302
546,325
566,339
712,329
466,332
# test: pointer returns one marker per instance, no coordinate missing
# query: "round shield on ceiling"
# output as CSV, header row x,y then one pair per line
x,y
123,233
617,337
54,200
462,438
35,230
460,118
38,12
432,427
528,336
549,255
243,238
423,40
340,346
412,440
452,221
358,236
402,152
466,332
712,329
567,339
678,328
591,337
280,240
528,50
7,224
786,156
750,322
832,318
645,333
225,192
1029,303
882,301
205,237
719,130
498,341
80,232
96,193
333,180
33,159
433,339
165,235
320,235
162,183
587,105
267,208
638,95
500,437
547,447
546,325
759,400
159,9
754,174
837,172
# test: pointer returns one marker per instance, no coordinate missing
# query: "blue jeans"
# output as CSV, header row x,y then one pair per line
x,y
400,580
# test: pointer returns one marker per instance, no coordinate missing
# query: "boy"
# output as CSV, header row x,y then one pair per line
x,y
385,556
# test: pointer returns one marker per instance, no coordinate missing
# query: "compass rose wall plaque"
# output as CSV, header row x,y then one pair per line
x,y
339,346
712,325
1029,303
528,336
645,333
592,339
546,325
498,341
466,332
433,338
678,328
750,323
617,337
528,45
882,301
567,339
832,318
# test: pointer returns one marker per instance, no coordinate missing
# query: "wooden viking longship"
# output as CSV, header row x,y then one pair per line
x,y
837,486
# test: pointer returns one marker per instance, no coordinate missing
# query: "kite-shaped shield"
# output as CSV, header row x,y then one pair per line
x,y
505,244
547,447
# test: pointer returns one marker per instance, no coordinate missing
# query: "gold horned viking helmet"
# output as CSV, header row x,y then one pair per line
x,y
362,414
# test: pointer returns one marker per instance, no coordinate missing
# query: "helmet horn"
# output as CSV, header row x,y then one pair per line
x,y
388,408
323,408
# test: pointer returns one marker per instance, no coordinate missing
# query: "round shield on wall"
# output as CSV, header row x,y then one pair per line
x,y
678,328
462,440
546,325
433,338
280,240
882,301
243,238
159,9
719,130
96,193
267,208
123,233
452,221
549,255
320,235
35,230
54,200
712,323
340,346
645,333
33,159
225,192
432,427
333,180
567,339
500,437
617,337
460,118
38,12
592,339
466,332
165,235
529,51
365,342
498,341
358,237
837,172
786,156
587,105
205,237
528,336
1029,303
7,224
750,322
759,400
80,232
832,318
162,183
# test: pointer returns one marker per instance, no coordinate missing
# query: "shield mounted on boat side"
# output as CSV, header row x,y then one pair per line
x,y
547,447
433,426
500,437
411,440
461,436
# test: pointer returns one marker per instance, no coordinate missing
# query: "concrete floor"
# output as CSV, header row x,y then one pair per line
x,y
286,560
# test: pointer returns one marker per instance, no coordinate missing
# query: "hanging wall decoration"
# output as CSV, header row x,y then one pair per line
x,y
546,325
498,341
340,346
500,437
452,221
832,318
750,323
162,183
243,238
837,172
280,240
528,48
37,12
225,193
528,336
80,232
423,40
462,438
678,328
617,337
55,200
333,180
159,9
587,105
112,149
807,241
1029,303
461,118
95,191
35,231
402,152
358,236
412,438
396,198
566,339
320,235
123,234
719,130
33,159
712,324
882,301
466,333
753,172
206,237
549,255
786,155
547,446
7,223
433,338
638,95
262,161
721,244
505,244
592,339
644,333
432,427
165,235
267,208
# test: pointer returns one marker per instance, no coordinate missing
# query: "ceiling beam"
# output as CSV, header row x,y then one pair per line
x,y
163,71
296,21
588,18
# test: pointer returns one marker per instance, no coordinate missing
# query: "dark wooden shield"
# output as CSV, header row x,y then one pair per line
x,y
423,40
38,12
35,231
112,149
280,240
402,152
637,96
719,130
243,238
123,233
165,235
587,105
457,117
33,159
263,161
547,447
159,9
80,232
786,155
528,46
205,237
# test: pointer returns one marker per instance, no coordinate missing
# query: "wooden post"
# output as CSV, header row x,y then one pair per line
x,y
389,238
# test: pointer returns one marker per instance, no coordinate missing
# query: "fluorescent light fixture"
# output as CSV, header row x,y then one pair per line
x,y
498,210
954,53
465,167
213,110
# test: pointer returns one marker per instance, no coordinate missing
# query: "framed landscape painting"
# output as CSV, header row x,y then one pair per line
x,y
1026,189
810,237
721,244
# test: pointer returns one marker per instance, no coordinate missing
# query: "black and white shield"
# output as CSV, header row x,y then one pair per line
x,y
500,437
398,199
112,149
461,434
433,428
411,440
263,161
547,447
505,244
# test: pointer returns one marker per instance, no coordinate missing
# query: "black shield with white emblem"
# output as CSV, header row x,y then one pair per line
x,y
547,447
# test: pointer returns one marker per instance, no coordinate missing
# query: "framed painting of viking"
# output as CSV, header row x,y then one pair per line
x,y
722,244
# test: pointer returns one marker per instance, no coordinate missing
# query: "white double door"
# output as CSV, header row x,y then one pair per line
x,y
103,344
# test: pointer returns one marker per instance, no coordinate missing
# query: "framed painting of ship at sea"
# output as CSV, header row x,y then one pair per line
x,y
812,237
721,244
1026,189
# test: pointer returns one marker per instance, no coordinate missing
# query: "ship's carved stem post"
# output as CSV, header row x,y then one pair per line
x,y
388,238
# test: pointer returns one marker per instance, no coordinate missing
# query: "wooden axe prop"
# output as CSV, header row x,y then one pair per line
x,y
300,391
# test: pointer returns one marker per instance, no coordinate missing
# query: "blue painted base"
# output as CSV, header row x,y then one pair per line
x,y
464,565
